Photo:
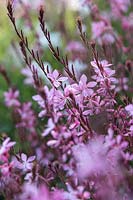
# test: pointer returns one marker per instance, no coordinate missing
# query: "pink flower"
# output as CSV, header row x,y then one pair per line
x,y
109,139
34,5
75,46
59,99
6,146
121,84
25,163
39,100
30,190
77,50
29,76
11,98
94,105
41,193
119,6
127,22
27,117
42,102
75,193
6,168
104,75
129,109
50,127
102,32
104,70
91,158
56,79
83,87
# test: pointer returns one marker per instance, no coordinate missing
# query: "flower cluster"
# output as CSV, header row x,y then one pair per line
x,y
78,143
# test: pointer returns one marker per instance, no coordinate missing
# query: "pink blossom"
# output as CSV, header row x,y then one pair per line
x,y
104,75
104,69
11,98
94,105
127,22
102,33
27,117
50,127
74,194
42,102
96,151
77,50
53,143
75,46
42,193
29,76
59,99
121,84
129,109
25,163
109,139
56,79
30,190
6,146
119,6
83,87
6,168
88,155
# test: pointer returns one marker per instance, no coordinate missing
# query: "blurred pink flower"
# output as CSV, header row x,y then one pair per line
x,y
49,128
11,98
27,116
40,193
129,109
6,146
6,168
29,76
102,33
91,158
77,50
119,7
102,72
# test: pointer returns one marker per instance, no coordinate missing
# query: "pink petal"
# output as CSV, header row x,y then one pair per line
x,y
42,113
24,157
62,79
56,84
91,84
31,158
55,74
93,63
129,107
46,132
37,98
118,139
6,141
83,78
51,142
11,144
86,112
16,93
